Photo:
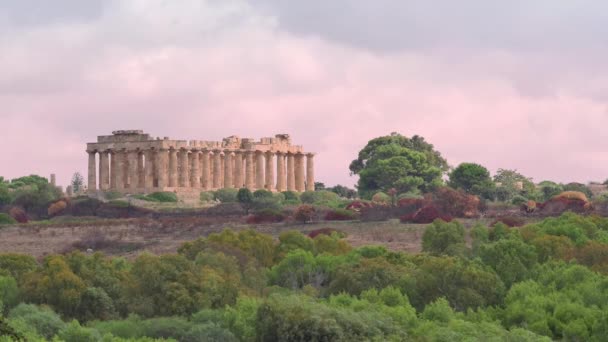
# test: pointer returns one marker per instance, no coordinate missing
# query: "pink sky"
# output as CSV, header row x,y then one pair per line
x,y
210,69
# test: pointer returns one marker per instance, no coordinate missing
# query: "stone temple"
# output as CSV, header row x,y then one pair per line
x,y
133,162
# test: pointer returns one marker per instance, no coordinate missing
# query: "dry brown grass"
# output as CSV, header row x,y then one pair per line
x,y
131,237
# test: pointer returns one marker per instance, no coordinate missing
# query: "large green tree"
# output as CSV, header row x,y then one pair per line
x,y
396,161
473,179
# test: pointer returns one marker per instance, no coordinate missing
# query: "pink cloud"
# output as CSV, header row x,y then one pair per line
x,y
61,87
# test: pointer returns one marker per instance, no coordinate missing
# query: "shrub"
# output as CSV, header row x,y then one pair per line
x,y
291,197
57,208
358,205
381,198
163,196
207,196
46,322
321,198
304,213
226,195
427,214
439,236
6,219
18,214
340,215
146,198
266,216
262,193
454,203
73,332
244,196
519,200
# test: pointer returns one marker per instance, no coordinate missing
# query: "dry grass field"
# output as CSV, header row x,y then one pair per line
x,y
129,237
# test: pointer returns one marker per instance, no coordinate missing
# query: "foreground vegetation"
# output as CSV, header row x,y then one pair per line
x,y
539,282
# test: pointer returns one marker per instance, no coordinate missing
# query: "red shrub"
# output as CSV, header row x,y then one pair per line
x,y
57,208
454,203
340,215
304,213
265,216
558,205
18,214
323,231
427,214
358,205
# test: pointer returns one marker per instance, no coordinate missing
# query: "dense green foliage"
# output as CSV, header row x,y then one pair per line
x,y
544,281
162,197
473,179
398,162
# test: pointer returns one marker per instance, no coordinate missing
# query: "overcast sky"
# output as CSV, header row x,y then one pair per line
x,y
507,84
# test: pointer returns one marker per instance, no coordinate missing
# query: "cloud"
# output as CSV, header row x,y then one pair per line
x,y
209,69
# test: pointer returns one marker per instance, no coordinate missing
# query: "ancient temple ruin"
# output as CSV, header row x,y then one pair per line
x,y
133,162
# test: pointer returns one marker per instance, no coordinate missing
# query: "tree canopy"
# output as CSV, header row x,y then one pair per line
x,y
473,179
395,161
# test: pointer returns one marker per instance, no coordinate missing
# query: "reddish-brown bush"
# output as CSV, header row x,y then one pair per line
x,y
340,215
427,214
266,216
358,205
324,231
57,208
304,213
18,214
510,221
557,205
454,203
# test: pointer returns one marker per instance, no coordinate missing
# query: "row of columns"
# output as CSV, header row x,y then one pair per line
x,y
200,169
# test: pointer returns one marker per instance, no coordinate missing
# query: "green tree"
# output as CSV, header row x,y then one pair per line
x,y
396,161
473,179
443,237
548,189
510,183
77,182
245,198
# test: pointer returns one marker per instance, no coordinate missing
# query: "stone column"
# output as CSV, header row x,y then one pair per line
x,y
269,171
291,172
228,170
281,174
173,173
300,172
119,155
207,180
183,169
238,169
141,175
310,172
104,170
162,157
217,169
113,164
222,168
259,170
249,171
149,167
92,184
132,175
195,171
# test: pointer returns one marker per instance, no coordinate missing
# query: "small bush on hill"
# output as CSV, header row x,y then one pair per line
x,y
262,193
440,236
112,195
427,214
164,197
57,208
291,197
340,215
18,214
226,195
6,219
358,205
207,196
145,198
119,203
322,198
266,216
380,198
454,203
304,213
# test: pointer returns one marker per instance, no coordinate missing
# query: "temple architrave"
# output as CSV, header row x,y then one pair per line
x,y
133,162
